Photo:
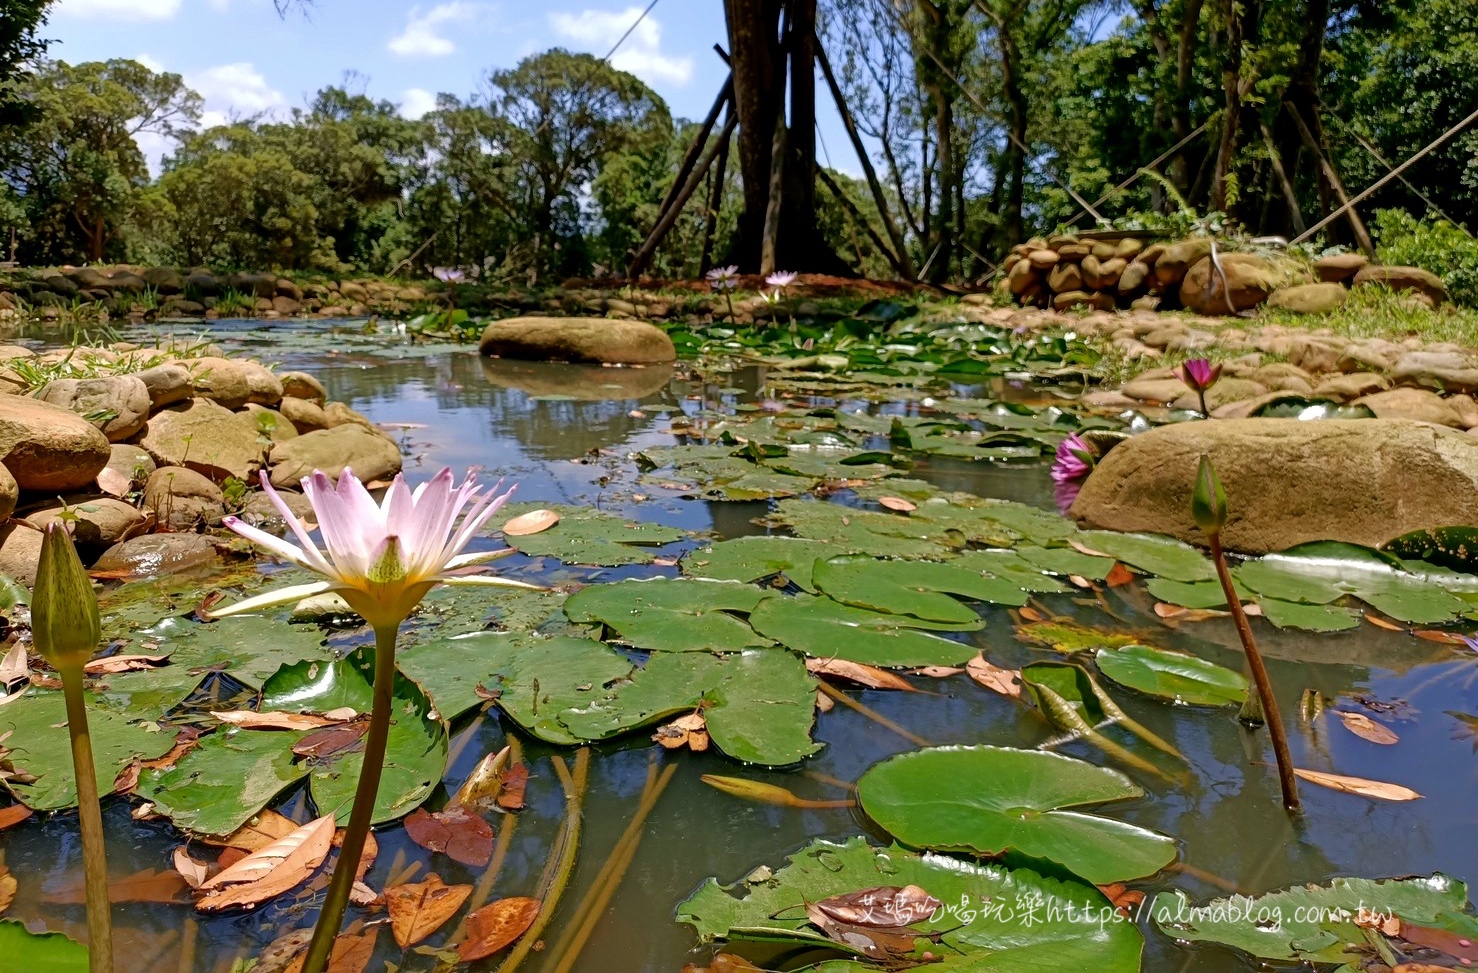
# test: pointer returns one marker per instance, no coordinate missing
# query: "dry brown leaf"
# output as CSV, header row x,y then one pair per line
x,y
1459,947
689,731
533,522
124,663
251,720
417,911
936,672
1382,922
193,872
1384,623
1365,728
1253,609
184,741
1359,785
149,885
1031,614
256,834
870,676
1118,576
350,954
15,673
1125,899
899,504
457,832
515,782
1175,613
496,926
13,815
327,741
883,907
889,944
1082,548
1007,682
1446,638
1079,581
824,703
7,888
280,952
275,869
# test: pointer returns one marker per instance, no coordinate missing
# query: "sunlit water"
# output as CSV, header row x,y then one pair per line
x,y
564,434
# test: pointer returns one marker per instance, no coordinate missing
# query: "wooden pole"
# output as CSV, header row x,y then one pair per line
x,y
715,205
898,249
695,178
696,148
1289,195
862,221
770,238
1357,225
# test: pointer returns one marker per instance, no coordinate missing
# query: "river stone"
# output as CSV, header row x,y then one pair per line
x,y
123,395
1224,392
221,380
1343,388
48,448
1155,389
1424,282
1065,278
202,436
9,493
166,281
1176,259
1283,377
1451,371
1133,278
339,414
20,549
261,421
183,499
1310,298
301,385
371,455
260,511
156,554
1022,277
577,339
99,522
266,388
128,467
305,415
8,352
1363,481
1340,267
1409,403
167,384
1042,259
1249,281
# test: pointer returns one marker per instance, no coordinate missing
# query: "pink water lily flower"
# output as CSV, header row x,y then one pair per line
x,y
781,279
1199,374
1070,467
380,558
723,278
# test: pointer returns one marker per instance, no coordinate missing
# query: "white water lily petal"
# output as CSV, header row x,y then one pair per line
x,y
283,549
479,557
282,596
488,581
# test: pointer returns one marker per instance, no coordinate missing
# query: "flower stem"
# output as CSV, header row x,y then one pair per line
x,y
1205,412
1260,678
89,809
331,917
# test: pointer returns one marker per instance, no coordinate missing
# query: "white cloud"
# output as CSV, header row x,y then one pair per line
x,y
640,54
152,64
416,102
422,37
232,90
119,9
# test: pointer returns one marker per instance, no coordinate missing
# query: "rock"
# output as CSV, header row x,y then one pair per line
x,y
1313,355
305,416
1071,252
1134,277
286,306
177,307
166,281
1364,357
288,289
1283,377
262,512
1128,248
223,380
127,283
1343,388
1021,278
48,448
202,436
156,554
126,397
1424,282
8,352
20,549
1224,392
183,499
10,494
1310,298
1466,409
1065,277
255,285
1340,268
1176,259
1363,481
98,522
1042,259
1415,404
261,421
1066,300
1446,370
203,283
303,386
339,414
128,467
371,455
1249,280
578,340
167,384
353,291
1155,389
266,388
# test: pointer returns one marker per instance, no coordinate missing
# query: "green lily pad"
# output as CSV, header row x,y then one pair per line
x,y
1322,572
1072,701
1195,594
1164,557
999,921
1312,618
672,614
751,558
1067,636
587,536
1314,923
1013,568
40,952
918,588
1450,547
990,800
826,629
1172,675
221,784
1066,561
882,535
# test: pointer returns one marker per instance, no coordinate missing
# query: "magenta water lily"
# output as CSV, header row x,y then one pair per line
x,y
1199,375
1070,467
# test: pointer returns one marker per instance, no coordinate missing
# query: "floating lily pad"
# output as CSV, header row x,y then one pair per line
x,y
1013,568
1164,557
751,558
1066,561
1195,594
1451,547
1067,636
999,921
880,534
40,952
918,588
1313,618
827,629
990,800
1172,675
1314,923
587,536
1323,572
221,784
672,614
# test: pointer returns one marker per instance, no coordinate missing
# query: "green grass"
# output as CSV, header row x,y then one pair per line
x,y
1375,312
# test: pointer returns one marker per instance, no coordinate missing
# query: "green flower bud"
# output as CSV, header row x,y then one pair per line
x,y
1208,499
64,609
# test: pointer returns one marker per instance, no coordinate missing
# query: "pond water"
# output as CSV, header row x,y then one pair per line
x,y
565,434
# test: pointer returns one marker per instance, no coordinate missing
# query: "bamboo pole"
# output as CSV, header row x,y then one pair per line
x,y
1347,207
770,235
898,265
695,148
695,178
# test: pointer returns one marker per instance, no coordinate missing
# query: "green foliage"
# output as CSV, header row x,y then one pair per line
x,y
1432,244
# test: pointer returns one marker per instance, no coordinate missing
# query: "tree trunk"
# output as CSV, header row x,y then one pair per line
x,y
1180,117
1231,80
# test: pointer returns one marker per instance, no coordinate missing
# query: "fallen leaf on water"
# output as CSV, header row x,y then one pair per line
x,y
1031,614
351,953
886,906
889,944
1446,638
1382,922
1079,581
275,869
1460,947
1082,548
456,832
15,673
870,676
515,782
251,720
1175,613
256,834
824,703
327,741
1253,609
193,872
485,783
1119,576
362,895
13,815
753,790
149,885
1365,728
1386,624
1125,899
124,663
496,926
899,504
7,888
1007,682
417,911
532,522
1358,785
936,672
724,963
280,952
184,741
689,731
367,854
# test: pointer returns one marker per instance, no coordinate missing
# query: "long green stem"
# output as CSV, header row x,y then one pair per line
x,y
94,848
331,918
1260,678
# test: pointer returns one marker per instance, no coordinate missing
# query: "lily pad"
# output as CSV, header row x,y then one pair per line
x,y
1164,557
1001,921
672,614
587,536
1173,675
990,800
883,535
1013,568
1312,618
1314,923
1450,547
751,558
40,952
826,629
1195,594
918,588
1322,572
221,784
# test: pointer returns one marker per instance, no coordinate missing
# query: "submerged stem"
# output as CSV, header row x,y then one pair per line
x,y
1260,678
89,810
331,917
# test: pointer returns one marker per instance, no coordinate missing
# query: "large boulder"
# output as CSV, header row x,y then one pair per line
x,y
1310,298
1288,481
97,524
154,554
301,385
49,448
371,455
223,380
1243,281
182,498
1424,282
1177,258
10,494
128,467
167,384
596,340
120,401
202,436
1340,268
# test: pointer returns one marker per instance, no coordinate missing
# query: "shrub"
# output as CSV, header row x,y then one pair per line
x,y
1432,244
